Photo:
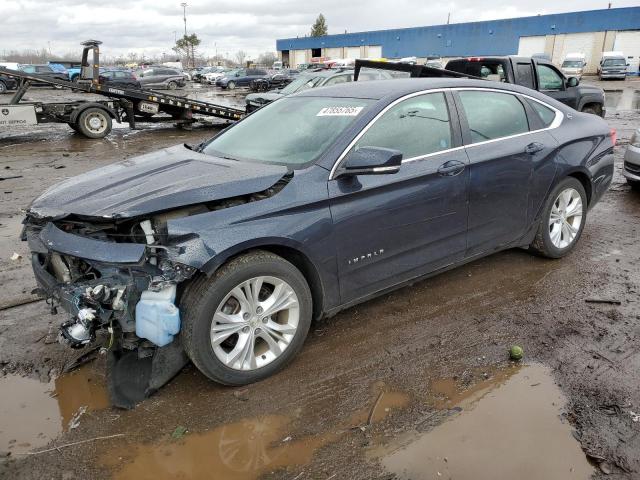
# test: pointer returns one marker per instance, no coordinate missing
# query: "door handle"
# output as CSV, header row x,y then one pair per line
x,y
534,148
451,168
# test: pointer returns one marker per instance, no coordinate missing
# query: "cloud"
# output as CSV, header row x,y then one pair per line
x,y
226,26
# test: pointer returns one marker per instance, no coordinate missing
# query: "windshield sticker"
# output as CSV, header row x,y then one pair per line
x,y
339,112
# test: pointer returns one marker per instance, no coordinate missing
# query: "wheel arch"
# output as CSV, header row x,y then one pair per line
x,y
288,249
76,113
585,180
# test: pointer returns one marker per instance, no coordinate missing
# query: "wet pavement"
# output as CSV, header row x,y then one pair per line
x,y
387,388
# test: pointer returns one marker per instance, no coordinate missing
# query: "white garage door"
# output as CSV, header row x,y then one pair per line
x,y
575,43
374,51
529,46
299,57
629,44
352,52
333,53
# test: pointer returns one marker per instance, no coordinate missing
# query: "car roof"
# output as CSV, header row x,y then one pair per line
x,y
380,89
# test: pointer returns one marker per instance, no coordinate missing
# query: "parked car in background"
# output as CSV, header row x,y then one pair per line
x,y
631,170
240,78
613,65
45,72
119,78
72,67
315,203
278,79
574,65
10,65
214,73
434,63
161,77
310,79
7,83
537,74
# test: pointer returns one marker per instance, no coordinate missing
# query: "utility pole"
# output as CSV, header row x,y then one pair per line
x,y
448,18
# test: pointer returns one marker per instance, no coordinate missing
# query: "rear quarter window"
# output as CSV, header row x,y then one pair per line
x,y
545,114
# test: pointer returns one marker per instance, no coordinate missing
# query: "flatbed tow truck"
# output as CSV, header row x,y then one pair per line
x,y
93,118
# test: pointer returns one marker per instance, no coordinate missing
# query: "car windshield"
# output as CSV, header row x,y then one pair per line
x,y
615,62
293,131
301,83
572,64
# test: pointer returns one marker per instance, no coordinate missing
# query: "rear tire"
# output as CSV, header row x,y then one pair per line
x,y
3,88
94,123
634,184
210,309
592,110
563,219
172,85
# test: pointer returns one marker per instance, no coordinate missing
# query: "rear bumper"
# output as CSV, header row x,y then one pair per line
x,y
631,168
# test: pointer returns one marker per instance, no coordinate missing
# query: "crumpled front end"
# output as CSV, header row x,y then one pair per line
x,y
114,277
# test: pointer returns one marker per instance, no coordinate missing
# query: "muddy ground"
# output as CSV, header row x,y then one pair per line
x,y
375,388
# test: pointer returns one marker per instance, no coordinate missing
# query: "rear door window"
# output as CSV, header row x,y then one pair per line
x,y
338,79
524,75
417,126
492,115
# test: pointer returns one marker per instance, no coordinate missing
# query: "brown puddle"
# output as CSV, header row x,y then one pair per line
x,y
33,413
244,450
510,427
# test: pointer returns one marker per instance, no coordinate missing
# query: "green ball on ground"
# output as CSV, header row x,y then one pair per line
x,y
516,352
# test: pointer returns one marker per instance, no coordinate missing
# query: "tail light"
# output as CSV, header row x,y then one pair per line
x,y
614,136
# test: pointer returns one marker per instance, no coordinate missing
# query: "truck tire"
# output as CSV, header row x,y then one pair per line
x,y
94,122
248,320
562,221
172,85
592,109
3,88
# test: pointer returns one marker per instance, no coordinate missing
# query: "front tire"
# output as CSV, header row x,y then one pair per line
x,y
172,85
3,88
231,85
562,221
247,321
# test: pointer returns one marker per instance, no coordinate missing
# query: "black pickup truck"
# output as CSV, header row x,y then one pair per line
x,y
534,73
537,74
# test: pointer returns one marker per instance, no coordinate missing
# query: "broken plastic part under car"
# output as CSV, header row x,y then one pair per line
x,y
124,269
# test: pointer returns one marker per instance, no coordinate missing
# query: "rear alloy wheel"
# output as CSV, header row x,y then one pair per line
x,y
94,123
172,85
231,85
562,220
247,322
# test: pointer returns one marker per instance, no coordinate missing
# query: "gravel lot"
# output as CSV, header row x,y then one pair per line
x,y
378,380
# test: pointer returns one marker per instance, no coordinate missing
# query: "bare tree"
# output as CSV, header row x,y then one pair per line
x,y
267,59
241,57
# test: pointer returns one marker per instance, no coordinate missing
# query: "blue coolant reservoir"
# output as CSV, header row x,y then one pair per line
x,y
157,317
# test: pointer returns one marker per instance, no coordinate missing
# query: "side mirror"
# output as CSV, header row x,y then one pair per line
x,y
237,74
572,82
371,161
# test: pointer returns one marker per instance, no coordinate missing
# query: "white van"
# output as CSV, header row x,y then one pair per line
x,y
277,65
574,64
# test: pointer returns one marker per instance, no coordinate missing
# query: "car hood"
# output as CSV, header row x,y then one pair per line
x,y
159,181
263,97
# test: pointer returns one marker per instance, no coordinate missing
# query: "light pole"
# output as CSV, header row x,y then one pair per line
x,y
184,14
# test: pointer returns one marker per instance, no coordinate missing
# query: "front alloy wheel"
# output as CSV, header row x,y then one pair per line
x,y
255,323
247,321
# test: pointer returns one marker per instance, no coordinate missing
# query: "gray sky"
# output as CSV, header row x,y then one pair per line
x,y
147,26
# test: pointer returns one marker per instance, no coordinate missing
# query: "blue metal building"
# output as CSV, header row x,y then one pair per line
x,y
495,37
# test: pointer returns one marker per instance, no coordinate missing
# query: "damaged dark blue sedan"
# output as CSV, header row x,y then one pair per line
x,y
224,253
